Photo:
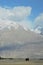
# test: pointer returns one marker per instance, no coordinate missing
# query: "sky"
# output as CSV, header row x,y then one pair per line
x,y
32,12
27,13
37,5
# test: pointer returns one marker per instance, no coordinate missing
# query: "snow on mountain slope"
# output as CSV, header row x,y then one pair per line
x,y
13,25
10,25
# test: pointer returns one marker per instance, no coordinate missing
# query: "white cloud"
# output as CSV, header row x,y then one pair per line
x,y
20,13
38,23
16,13
39,20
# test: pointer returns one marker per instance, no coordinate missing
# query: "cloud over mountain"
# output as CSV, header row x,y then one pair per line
x,y
15,13
39,24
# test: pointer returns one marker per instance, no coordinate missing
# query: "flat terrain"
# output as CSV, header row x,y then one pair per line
x,y
21,63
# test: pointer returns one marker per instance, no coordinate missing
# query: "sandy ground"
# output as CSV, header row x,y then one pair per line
x,y
20,63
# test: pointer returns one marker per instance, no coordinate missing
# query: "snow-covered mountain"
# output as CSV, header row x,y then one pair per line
x,y
13,32
18,41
